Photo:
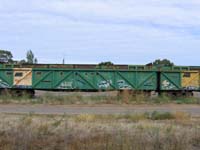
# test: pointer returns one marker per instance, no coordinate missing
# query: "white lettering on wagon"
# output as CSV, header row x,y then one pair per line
x,y
66,85
3,84
123,85
166,85
104,84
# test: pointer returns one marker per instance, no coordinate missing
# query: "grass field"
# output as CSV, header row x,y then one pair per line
x,y
148,131
142,131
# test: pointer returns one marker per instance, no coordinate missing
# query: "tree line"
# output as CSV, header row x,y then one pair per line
x,y
157,63
7,57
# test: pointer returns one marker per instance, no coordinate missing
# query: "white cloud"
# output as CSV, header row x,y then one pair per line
x,y
168,14
101,28
173,13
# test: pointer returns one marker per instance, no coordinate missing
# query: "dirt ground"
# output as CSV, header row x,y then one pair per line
x,y
194,110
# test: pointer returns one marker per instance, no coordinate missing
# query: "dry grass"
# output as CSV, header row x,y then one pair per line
x,y
125,97
107,132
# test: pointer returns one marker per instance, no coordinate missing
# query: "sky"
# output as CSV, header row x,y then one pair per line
x,y
93,31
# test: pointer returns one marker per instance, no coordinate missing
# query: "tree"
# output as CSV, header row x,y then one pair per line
x,y
163,62
107,63
22,61
6,56
31,58
104,65
35,61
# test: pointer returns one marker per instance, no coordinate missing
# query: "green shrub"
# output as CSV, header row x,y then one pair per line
x,y
188,100
161,115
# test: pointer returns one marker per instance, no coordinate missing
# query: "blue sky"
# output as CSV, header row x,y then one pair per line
x,y
92,31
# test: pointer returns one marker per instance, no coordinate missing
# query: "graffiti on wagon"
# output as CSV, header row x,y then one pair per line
x,y
123,85
104,84
3,84
191,88
166,85
66,85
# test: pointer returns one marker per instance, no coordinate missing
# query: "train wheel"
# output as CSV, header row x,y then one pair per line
x,y
5,92
187,94
23,93
17,93
30,93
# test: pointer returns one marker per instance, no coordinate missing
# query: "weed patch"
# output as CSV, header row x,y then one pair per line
x,y
124,97
161,116
98,132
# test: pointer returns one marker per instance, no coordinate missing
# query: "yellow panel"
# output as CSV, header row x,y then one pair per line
x,y
190,80
22,76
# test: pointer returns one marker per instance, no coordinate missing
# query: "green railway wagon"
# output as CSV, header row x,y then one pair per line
x,y
170,81
6,78
93,79
45,78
